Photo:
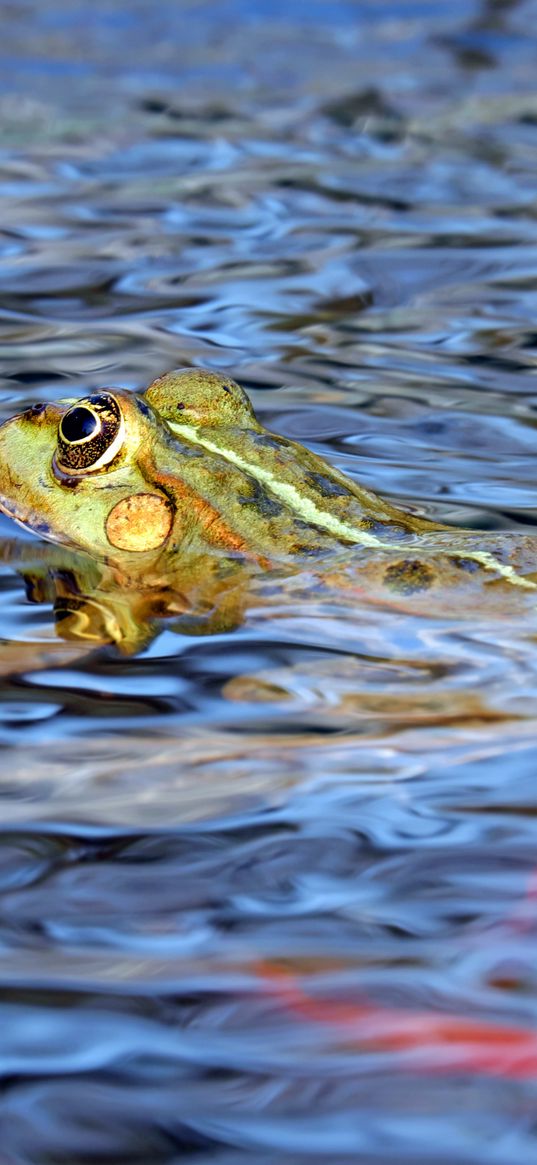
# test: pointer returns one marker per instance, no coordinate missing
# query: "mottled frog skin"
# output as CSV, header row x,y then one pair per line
x,y
175,499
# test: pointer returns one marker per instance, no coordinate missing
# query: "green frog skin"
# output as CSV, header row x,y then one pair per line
x,y
179,496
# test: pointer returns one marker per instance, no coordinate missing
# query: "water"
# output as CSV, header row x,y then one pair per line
x,y
270,895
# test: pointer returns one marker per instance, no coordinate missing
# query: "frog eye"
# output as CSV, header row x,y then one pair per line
x,y
90,434
79,425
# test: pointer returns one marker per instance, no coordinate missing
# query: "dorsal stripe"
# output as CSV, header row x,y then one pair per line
x,y
310,512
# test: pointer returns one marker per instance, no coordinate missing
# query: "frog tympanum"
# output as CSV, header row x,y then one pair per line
x,y
176,501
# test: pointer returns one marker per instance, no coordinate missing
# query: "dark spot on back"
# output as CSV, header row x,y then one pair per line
x,y
409,576
176,445
181,405
328,488
310,551
260,500
268,442
190,450
468,564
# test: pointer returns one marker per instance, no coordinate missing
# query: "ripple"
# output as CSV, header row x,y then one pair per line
x,y
235,869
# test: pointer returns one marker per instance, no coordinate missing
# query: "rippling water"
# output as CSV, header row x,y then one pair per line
x,y
270,895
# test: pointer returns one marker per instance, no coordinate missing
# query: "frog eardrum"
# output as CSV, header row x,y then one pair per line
x,y
90,434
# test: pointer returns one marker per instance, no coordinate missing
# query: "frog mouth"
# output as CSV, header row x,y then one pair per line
x,y
26,521
15,474
19,513
10,508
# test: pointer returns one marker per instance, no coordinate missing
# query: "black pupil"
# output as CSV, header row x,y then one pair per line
x,y
78,423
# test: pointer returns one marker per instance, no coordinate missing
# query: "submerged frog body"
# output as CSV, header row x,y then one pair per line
x,y
178,497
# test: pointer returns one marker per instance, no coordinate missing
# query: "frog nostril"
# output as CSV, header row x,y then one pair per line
x,y
35,410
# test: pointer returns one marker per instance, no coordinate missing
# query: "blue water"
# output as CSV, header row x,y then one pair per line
x,y
232,866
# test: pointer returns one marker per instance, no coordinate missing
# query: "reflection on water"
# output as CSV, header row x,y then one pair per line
x,y
269,893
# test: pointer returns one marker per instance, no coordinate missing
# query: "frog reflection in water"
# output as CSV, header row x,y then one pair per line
x,y
179,504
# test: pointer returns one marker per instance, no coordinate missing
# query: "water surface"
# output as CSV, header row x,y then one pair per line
x,y
256,888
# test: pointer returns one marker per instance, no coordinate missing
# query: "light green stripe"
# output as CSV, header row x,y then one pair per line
x,y
283,490
508,572
307,509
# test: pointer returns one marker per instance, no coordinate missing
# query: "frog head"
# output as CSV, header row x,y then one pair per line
x,y
110,474
80,473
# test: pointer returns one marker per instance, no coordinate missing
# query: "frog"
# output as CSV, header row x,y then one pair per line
x,y
176,503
